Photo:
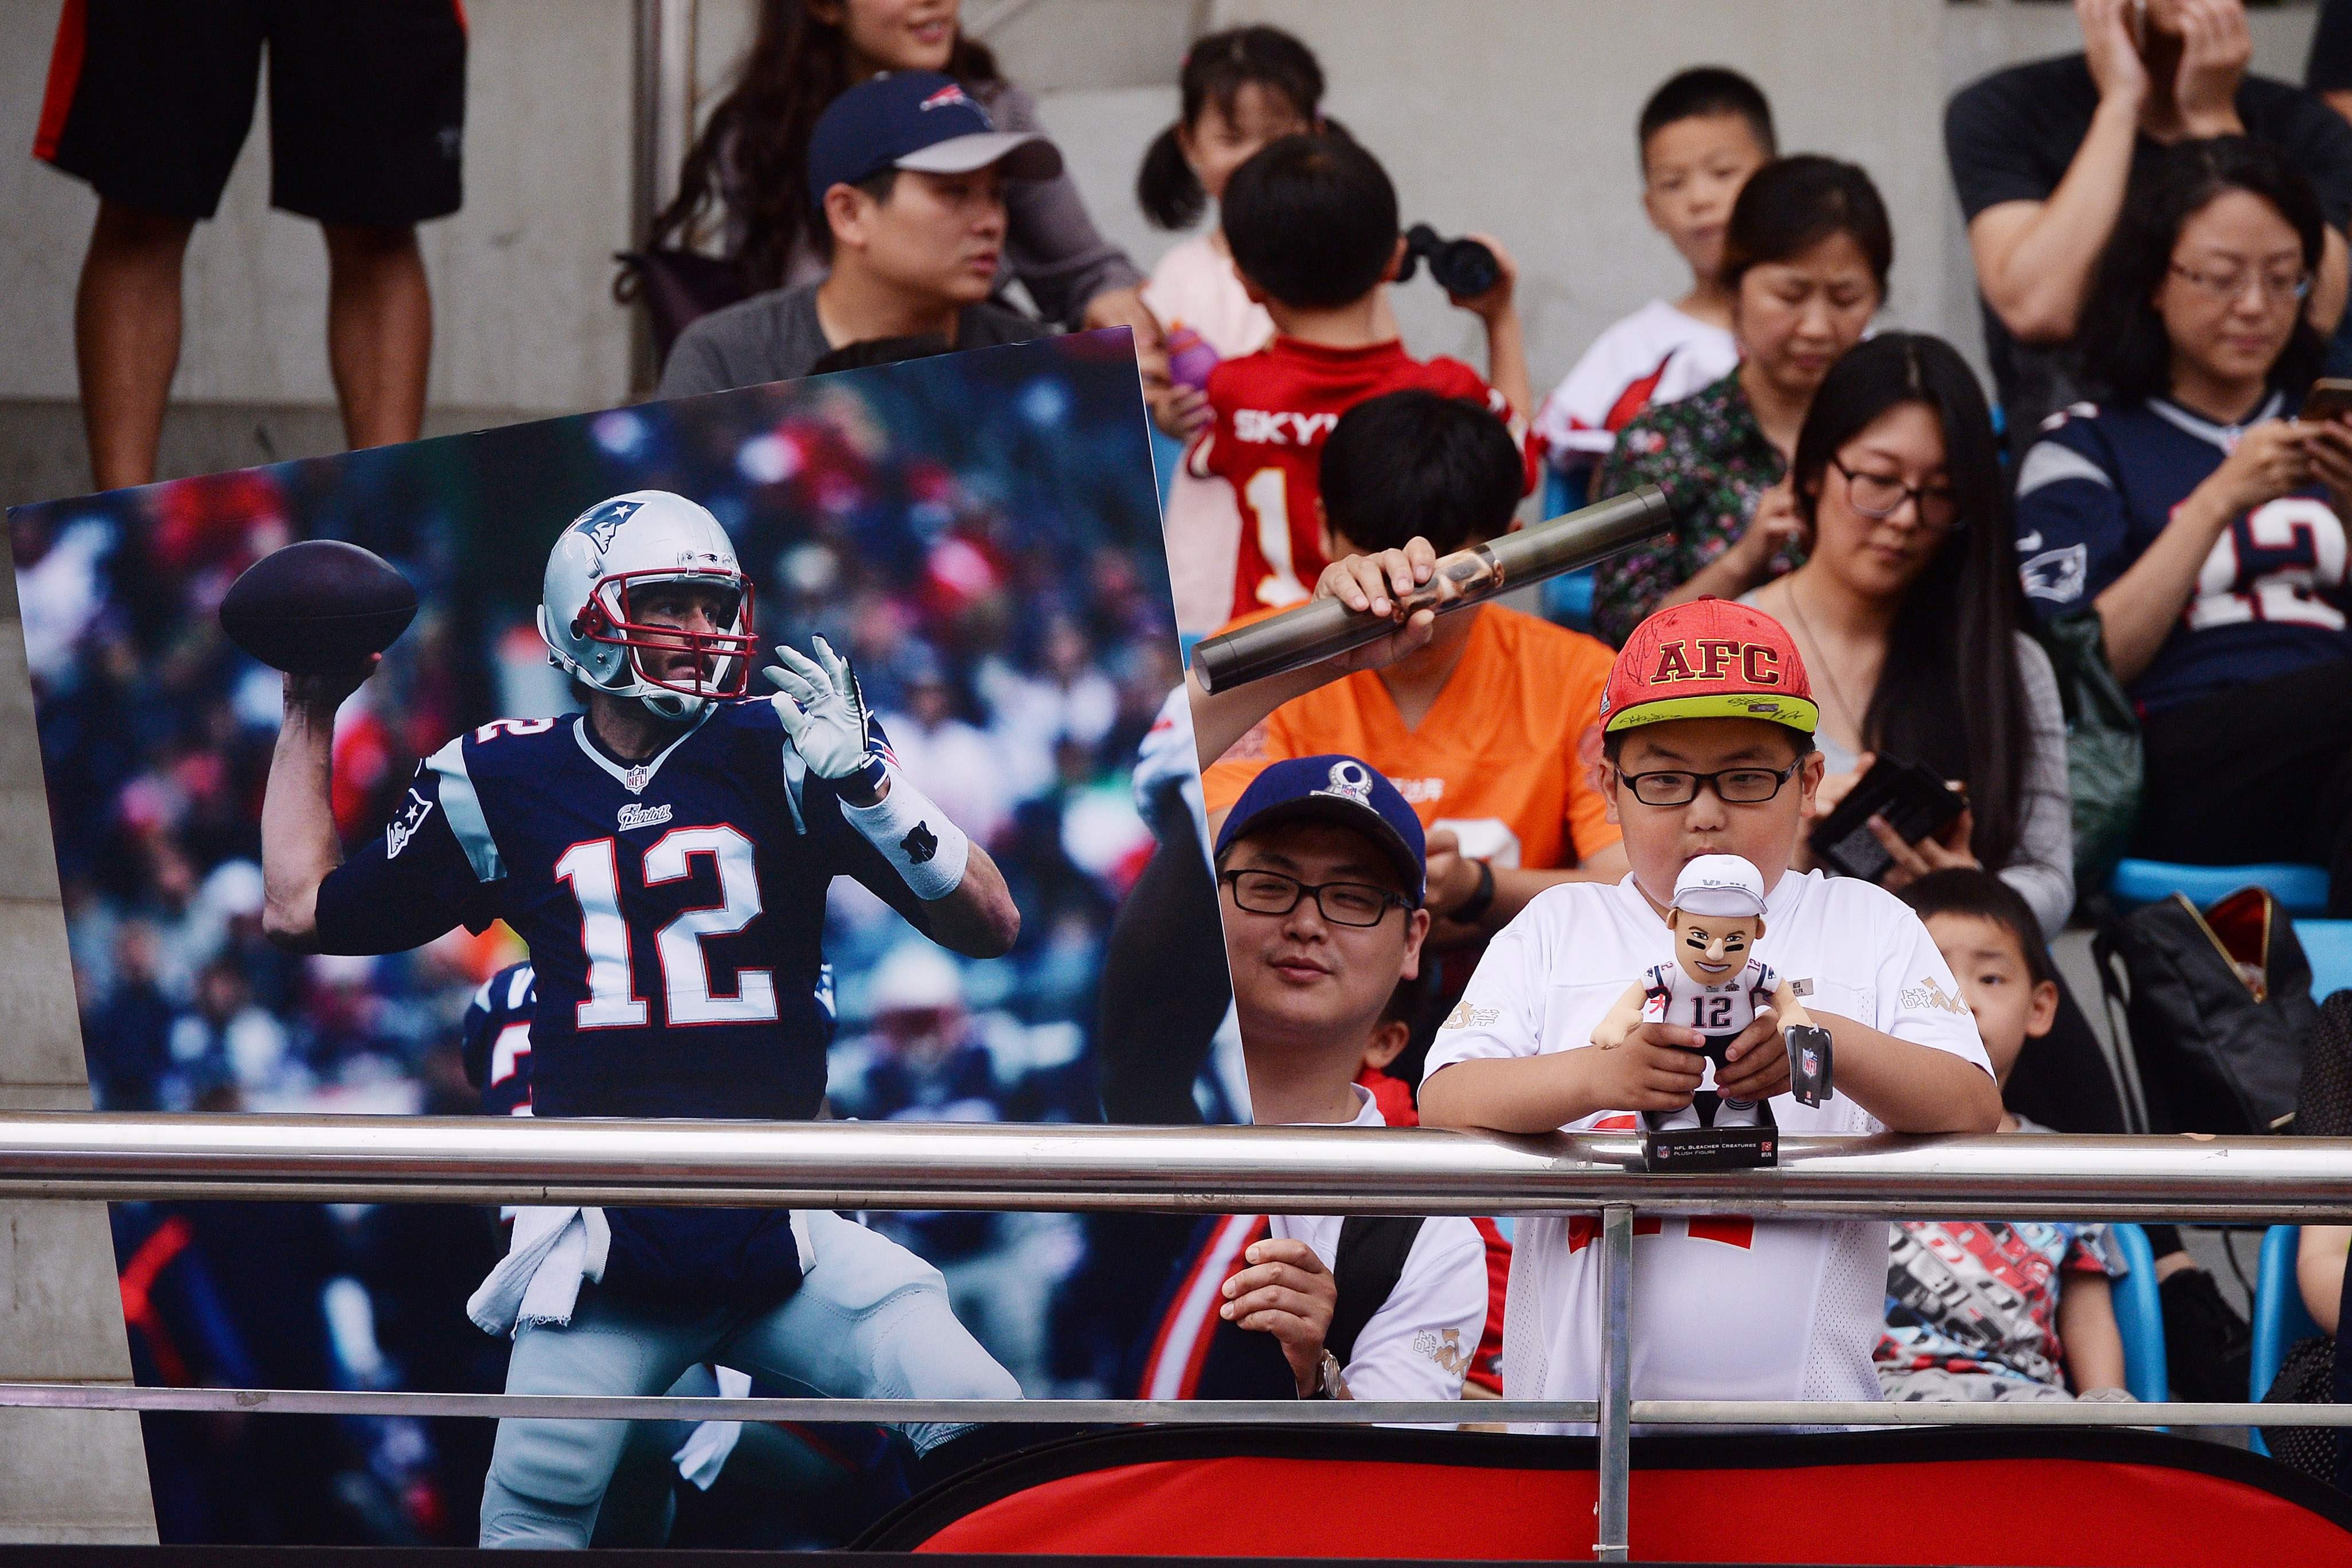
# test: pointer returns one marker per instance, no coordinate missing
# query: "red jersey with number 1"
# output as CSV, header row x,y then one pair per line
x,y
1270,413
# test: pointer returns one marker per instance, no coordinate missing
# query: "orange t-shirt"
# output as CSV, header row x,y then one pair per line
x,y
1500,758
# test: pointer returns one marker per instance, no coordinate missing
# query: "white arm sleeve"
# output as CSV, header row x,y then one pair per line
x,y
1501,1012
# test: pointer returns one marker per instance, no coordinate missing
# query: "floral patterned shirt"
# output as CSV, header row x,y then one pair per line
x,y
1710,457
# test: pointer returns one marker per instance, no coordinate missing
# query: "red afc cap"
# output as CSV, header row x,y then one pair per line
x,y
1709,659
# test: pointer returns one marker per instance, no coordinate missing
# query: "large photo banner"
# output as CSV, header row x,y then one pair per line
x,y
955,565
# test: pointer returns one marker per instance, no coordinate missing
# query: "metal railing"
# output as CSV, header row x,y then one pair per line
x,y
1064,1168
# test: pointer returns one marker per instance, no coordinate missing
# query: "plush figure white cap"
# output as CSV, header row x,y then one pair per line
x,y
1719,885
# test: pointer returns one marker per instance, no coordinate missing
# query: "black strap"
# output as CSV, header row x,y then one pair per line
x,y
1368,1263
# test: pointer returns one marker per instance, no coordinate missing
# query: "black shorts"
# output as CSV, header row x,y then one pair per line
x,y
149,101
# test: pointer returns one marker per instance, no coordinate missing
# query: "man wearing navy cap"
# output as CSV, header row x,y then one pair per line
x,y
1320,884
906,181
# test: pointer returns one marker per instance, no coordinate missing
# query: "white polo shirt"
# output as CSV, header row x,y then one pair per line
x,y
1419,1344
1724,1307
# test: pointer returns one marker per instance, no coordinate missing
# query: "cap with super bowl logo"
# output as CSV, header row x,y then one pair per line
x,y
1711,658
1347,790
1719,885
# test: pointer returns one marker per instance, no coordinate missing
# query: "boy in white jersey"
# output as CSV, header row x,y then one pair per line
x,y
1707,749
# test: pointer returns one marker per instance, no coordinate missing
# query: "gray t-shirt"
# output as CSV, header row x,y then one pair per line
x,y
776,336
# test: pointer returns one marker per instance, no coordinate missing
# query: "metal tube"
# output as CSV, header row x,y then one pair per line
x,y
1172,1412
1065,1168
1323,628
1611,1540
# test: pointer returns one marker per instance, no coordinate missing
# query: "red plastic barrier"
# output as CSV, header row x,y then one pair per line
x,y
2045,1499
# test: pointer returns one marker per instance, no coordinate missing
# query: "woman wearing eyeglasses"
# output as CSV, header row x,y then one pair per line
x,y
1907,614
2203,522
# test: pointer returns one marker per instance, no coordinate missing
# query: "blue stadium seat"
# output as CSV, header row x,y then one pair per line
x,y
2139,1315
2301,889
1167,452
2280,1319
2328,944
1567,599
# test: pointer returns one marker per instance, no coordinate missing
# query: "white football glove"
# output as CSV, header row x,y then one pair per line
x,y
821,707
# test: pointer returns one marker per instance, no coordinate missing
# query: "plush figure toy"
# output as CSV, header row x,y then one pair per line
x,y
1716,984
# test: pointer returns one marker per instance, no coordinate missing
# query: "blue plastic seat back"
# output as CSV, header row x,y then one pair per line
x,y
2280,1317
2300,889
1568,599
2328,944
2139,1316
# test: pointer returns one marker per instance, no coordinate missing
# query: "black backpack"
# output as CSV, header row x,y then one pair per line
x,y
2219,1009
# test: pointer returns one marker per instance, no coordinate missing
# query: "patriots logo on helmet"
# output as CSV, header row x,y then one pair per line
x,y
601,521
946,96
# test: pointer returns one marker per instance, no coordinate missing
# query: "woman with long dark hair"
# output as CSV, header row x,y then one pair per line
x,y
1907,613
2203,523
1805,258
747,170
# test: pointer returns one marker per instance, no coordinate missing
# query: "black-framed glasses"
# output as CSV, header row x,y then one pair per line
x,y
1881,495
1342,903
1732,786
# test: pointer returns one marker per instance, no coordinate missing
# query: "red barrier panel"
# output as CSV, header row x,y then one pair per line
x,y
2075,1499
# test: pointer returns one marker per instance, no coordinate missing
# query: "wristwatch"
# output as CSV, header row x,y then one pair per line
x,y
1474,908
1327,1379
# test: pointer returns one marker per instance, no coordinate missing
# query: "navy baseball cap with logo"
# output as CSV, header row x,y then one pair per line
x,y
1333,789
920,121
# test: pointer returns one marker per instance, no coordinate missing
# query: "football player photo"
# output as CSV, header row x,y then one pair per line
x,y
758,755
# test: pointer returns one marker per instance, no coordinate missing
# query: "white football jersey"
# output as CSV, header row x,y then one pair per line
x,y
1724,1307
1655,355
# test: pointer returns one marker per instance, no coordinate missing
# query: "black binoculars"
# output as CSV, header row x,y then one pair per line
x,y
1463,267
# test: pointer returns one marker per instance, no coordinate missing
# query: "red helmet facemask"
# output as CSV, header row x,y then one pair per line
x,y
725,655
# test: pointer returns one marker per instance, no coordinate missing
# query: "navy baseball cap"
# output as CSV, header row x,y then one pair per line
x,y
920,121
1333,789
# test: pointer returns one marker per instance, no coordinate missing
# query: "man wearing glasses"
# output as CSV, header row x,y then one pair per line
x,y
1707,742
1320,884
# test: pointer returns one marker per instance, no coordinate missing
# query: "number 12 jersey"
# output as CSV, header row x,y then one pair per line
x,y
674,907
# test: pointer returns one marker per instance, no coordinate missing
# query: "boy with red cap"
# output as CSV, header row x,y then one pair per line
x,y
1707,747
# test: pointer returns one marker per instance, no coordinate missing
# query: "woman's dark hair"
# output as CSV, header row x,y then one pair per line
x,y
1419,463
1312,221
2125,348
1702,92
1791,204
1950,695
753,150
1216,70
1981,895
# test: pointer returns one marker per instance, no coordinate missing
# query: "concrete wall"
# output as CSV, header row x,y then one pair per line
x,y
524,324
66,1475
1511,115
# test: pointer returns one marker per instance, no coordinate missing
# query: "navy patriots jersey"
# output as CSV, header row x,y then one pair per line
x,y
674,909
2098,487
495,1042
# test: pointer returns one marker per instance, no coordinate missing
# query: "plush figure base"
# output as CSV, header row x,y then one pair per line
x,y
1711,1148
1711,1134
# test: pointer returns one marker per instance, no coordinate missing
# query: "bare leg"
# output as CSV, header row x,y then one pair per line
x,y
379,331
127,337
